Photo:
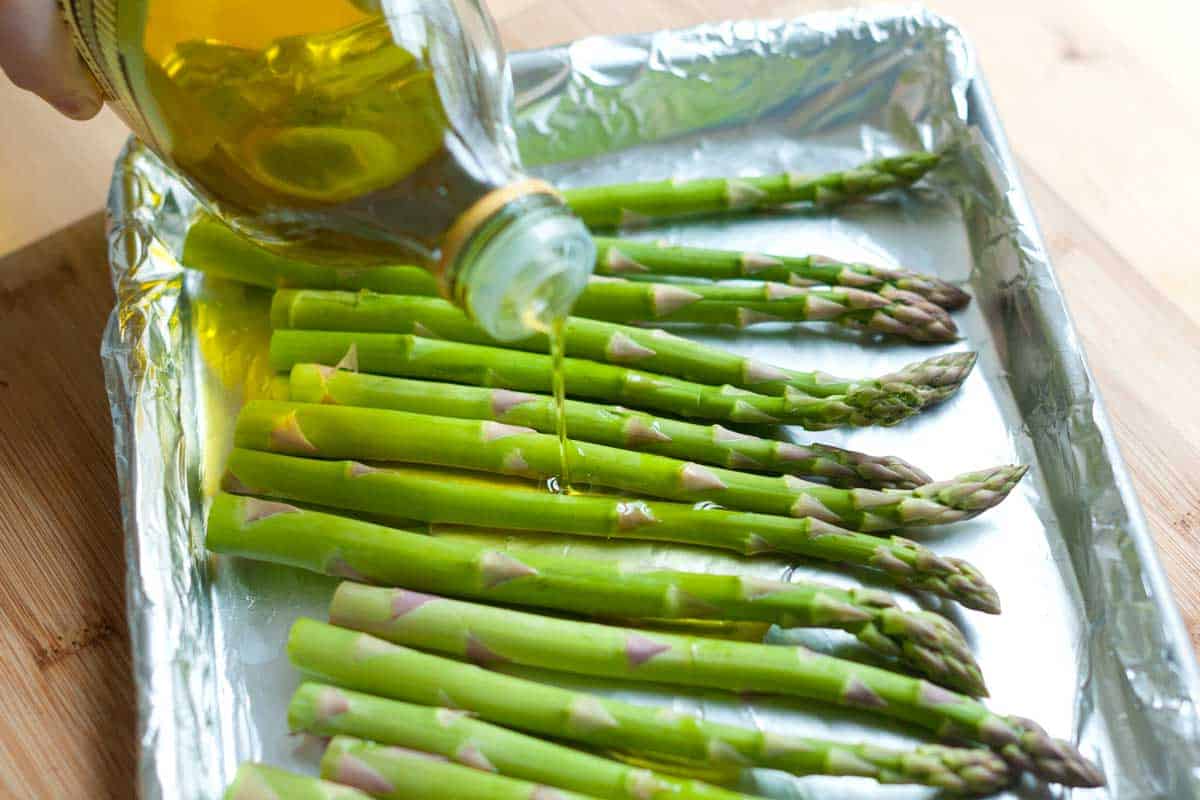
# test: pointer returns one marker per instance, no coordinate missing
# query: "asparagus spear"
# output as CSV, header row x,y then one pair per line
x,y
260,782
346,547
362,662
329,711
370,434
461,498
621,301
397,773
886,401
627,257
609,343
411,356
211,247
610,425
490,636
629,204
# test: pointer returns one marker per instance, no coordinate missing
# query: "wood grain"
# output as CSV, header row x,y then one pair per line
x,y
1144,352
68,721
1100,111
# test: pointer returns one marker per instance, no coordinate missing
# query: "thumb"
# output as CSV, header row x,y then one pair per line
x,y
37,54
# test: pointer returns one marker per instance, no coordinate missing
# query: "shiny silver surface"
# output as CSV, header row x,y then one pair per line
x,y
1090,642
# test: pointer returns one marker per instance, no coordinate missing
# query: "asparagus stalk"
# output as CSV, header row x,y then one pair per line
x,y
630,204
397,773
490,636
886,401
621,301
370,434
630,258
362,662
346,547
440,496
260,782
608,343
211,247
411,356
329,711
611,425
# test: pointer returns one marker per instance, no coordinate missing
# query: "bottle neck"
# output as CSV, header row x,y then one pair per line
x,y
521,266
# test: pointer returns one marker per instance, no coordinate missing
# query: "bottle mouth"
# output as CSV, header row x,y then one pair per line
x,y
529,273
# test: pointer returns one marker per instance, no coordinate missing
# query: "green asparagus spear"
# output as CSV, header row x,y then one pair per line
x,y
611,425
371,434
362,662
886,401
329,711
397,773
630,258
211,247
463,498
260,782
630,204
346,547
490,636
897,308
648,350
607,343
412,356
620,301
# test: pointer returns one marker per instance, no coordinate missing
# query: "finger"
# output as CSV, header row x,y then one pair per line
x,y
37,54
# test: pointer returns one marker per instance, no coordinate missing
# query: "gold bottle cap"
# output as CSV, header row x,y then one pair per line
x,y
480,212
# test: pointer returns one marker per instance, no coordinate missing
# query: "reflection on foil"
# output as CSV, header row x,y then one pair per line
x,y
1089,642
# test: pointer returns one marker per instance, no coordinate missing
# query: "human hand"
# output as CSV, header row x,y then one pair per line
x,y
37,54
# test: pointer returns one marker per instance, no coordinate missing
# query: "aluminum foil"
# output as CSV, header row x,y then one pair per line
x,y
1090,642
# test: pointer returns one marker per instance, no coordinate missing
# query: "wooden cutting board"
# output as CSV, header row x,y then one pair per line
x,y
1105,133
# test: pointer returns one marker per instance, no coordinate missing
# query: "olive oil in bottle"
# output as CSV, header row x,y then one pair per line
x,y
350,133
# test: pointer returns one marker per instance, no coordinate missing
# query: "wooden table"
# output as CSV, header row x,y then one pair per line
x,y
1100,117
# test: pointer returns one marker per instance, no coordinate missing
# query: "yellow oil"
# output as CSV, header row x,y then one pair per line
x,y
316,127
308,118
555,330
558,346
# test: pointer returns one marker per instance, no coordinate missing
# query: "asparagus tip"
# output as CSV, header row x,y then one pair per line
x,y
937,646
969,771
934,379
974,492
972,589
1052,759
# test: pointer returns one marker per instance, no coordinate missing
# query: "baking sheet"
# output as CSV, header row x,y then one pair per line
x,y
1090,643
